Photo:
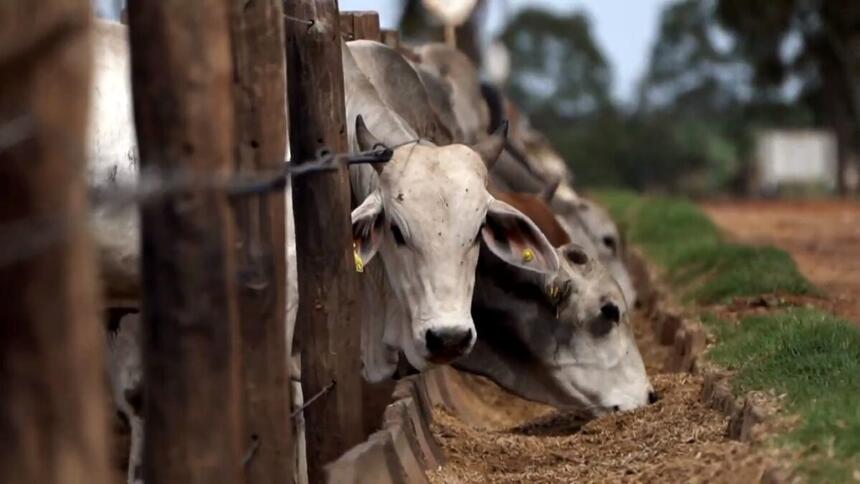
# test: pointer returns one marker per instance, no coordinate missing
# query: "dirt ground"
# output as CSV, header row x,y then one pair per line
x,y
677,439
823,236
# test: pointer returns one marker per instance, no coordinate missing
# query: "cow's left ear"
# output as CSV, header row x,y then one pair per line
x,y
515,239
367,223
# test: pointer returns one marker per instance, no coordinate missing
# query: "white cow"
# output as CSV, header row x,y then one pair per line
x,y
565,340
447,72
426,212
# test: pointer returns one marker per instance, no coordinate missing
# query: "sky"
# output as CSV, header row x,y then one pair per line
x,y
625,29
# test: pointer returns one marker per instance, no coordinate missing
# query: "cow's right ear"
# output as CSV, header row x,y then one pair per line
x,y
367,226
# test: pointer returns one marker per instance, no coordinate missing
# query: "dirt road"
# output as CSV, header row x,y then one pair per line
x,y
823,237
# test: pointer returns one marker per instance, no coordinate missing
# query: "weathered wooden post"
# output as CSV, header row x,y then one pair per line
x,y
360,24
53,418
181,75
327,329
375,397
259,100
391,38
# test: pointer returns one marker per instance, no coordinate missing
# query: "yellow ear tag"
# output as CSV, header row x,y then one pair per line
x,y
359,264
528,255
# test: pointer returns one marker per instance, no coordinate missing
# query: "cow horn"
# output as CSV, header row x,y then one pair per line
x,y
549,191
366,140
491,147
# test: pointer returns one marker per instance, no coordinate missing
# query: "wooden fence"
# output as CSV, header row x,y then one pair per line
x,y
217,88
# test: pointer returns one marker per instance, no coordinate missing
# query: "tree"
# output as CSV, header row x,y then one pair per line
x,y
688,69
825,62
559,70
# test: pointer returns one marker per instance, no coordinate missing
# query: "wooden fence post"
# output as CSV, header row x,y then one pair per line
x,y
259,99
360,25
181,80
375,396
53,412
327,329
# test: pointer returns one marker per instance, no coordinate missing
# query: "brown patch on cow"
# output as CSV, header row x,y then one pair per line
x,y
539,213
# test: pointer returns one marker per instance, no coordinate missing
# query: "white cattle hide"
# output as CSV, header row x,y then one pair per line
x,y
426,212
564,340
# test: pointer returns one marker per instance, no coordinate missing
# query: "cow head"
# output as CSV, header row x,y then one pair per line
x,y
427,219
565,340
597,360
604,234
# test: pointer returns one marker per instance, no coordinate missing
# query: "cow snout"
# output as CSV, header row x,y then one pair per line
x,y
611,312
653,397
444,345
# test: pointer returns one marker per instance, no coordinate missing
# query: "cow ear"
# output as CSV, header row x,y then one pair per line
x,y
491,147
548,193
515,239
367,229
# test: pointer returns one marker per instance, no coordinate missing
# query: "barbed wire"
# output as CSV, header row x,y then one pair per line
x,y
154,185
24,238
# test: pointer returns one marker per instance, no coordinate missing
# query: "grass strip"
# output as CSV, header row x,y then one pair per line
x,y
697,260
810,356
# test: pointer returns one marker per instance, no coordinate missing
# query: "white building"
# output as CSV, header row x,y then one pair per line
x,y
801,157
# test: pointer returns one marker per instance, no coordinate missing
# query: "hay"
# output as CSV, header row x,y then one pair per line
x,y
677,439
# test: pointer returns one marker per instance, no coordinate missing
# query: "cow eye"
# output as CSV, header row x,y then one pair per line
x,y
398,235
609,242
577,256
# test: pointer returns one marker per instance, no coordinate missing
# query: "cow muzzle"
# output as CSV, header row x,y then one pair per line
x,y
444,345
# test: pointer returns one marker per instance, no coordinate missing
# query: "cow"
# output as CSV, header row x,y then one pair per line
x,y
590,279
125,372
564,340
532,166
527,164
426,213
444,62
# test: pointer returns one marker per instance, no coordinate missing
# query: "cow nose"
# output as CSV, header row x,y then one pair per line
x,y
653,397
611,312
446,344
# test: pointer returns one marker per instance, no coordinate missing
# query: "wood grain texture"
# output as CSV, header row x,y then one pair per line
x,y
53,411
181,73
327,328
259,99
362,24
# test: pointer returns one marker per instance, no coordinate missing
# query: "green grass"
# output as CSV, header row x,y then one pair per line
x,y
678,237
813,358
